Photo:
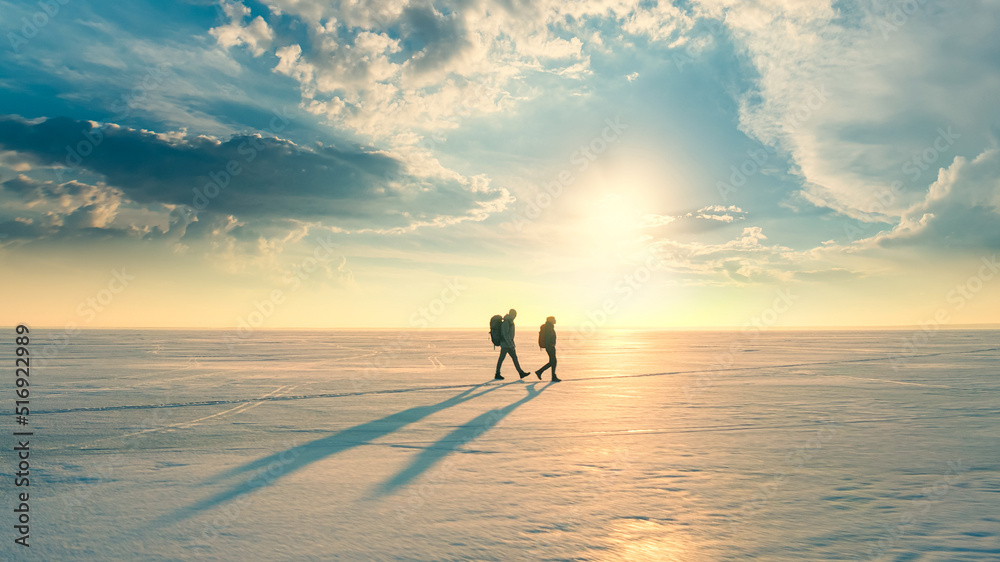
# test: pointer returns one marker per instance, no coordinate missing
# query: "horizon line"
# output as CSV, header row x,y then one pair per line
x,y
891,327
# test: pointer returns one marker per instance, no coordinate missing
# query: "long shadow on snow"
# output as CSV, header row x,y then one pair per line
x,y
450,443
272,467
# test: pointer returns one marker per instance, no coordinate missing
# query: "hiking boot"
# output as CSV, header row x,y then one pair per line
x,y
556,379
497,377
538,374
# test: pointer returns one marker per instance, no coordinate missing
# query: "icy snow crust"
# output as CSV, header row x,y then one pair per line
x,y
381,445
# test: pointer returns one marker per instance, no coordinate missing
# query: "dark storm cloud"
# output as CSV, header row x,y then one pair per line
x,y
250,176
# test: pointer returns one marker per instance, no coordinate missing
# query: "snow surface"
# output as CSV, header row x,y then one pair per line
x,y
385,445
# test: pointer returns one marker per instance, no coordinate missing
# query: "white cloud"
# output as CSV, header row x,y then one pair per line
x,y
660,21
256,35
381,69
73,204
960,211
720,209
721,218
719,213
747,258
851,99
741,260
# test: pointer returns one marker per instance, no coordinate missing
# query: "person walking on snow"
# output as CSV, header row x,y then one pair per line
x,y
547,339
507,345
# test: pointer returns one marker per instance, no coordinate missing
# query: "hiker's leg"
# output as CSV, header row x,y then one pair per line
x,y
513,355
503,355
551,363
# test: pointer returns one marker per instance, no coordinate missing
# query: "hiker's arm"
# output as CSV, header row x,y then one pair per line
x,y
505,334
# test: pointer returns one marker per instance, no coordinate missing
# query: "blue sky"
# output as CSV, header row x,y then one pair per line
x,y
609,162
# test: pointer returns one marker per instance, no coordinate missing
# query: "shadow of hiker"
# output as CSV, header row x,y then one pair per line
x,y
451,442
272,467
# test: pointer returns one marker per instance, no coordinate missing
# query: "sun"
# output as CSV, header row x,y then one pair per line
x,y
612,220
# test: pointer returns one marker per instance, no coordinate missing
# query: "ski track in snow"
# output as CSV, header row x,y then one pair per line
x,y
582,380
802,454
239,409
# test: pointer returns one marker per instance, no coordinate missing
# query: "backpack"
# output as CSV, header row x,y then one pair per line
x,y
541,336
495,329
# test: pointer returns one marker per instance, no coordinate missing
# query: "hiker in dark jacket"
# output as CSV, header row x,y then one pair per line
x,y
548,338
507,345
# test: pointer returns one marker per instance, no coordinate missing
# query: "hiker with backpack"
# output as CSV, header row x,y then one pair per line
x,y
547,341
504,337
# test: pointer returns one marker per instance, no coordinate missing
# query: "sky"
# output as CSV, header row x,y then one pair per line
x,y
749,164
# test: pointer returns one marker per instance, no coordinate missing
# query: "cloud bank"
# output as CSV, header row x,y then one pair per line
x,y
256,179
